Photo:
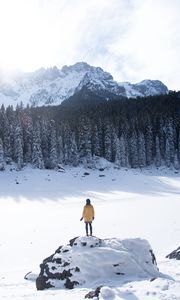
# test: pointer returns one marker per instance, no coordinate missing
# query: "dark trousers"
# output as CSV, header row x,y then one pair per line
x,y
88,224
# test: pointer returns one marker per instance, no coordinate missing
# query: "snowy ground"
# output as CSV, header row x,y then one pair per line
x,y
40,210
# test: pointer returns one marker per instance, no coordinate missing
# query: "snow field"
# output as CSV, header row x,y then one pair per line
x,y
40,210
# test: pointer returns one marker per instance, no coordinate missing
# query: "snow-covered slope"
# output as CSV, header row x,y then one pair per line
x,y
52,86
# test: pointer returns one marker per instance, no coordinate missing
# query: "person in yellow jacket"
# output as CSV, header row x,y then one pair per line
x,y
88,216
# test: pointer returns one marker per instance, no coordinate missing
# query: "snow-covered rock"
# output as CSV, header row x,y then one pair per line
x,y
174,254
91,262
52,86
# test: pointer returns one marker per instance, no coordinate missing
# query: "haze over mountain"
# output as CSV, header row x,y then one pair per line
x,y
52,86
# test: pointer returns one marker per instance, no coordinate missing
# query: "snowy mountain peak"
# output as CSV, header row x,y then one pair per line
x,y
77,67
89,72
52,86
151,87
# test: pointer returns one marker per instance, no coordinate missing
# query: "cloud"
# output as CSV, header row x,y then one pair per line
x,y
149,45
132,39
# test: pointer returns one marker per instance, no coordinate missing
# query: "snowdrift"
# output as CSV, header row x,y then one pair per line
x,y
90,262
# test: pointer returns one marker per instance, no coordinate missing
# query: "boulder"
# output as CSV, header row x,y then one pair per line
x,y
93,294
90,261
174,254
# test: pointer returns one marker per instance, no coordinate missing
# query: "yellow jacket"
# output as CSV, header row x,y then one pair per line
x,y
88,213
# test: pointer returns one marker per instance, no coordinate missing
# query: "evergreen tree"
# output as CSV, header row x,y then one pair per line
x,y
67,135
167,153
100,137
66,154
27,127
85,146
121,158
9,134
96,150
158,153
133,150
44,137
18,146
149,142
60,150
5,133
113,143
107,142
178,147
37,157
141,150
170,135
176,161
2,163
73,152
162,140
53,157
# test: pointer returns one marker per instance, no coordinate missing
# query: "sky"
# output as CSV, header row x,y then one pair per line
x,y
131,39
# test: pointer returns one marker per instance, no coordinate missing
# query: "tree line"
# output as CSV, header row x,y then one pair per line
x,y
131,133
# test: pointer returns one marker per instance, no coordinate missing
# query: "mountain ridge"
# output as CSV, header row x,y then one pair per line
x,y
52,86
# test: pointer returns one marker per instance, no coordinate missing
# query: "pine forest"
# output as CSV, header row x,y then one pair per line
x,y
132,133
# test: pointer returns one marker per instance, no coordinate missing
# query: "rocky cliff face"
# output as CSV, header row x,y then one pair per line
x,y
52,86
